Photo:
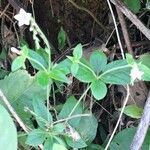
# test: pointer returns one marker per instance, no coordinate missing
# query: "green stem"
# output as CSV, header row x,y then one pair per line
x,y
45,41
85,92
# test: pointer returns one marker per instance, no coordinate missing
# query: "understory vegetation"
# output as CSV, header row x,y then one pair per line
x,y
74,75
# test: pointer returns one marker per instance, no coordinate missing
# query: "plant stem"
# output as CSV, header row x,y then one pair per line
x,y
85,92
119,119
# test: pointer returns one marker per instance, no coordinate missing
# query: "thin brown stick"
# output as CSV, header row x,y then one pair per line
x,y
125,31
133,18
116,28
119,119
10,108
142,127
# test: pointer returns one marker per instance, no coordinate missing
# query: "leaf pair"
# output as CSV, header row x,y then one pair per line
x,y
99,73
37,59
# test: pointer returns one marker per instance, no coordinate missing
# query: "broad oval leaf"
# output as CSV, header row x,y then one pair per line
x,y
58,147
48,144
59,128
8,132
58,75
36,137
77,52
146,71
144,59
87,128
117,72
37,60
84,75
64,66
121,143
18,63
94,147
99,89
130,59
61,38
133,111
20,89
74,68
75,144
43,115
43,78
98,60
67,108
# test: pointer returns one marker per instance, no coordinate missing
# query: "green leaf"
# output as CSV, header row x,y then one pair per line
x,y
3,54
144,59
42,52
64,66
87,128
43,78
58,147
98,60
59,128
121,143
48,144
146,71
134,5
37,61
74,68
3,73
20,88
67,108
75,144
99,89
84,74
43,115
133,111
22,137
18,63
130,59
61,38
36,137
77,52
94,147
117,72
24,51
8,133
58,75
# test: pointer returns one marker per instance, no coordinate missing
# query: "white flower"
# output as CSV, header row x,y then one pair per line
x,y
23,17
135,73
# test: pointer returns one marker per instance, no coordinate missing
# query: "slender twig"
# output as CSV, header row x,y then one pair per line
x,y
133,18
119,119
142,127
10,108
3,12
71,117
74,108
125,31
116,28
